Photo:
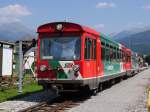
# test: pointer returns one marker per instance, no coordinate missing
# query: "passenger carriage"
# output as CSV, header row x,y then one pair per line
x,y
134,63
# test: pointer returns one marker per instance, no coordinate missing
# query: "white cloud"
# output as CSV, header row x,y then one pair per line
x,y
13,13
147,7
105,5
99,26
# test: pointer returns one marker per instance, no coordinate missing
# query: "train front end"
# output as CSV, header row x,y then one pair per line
x,y
59,62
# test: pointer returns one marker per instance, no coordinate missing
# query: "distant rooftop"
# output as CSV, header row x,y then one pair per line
x,y
6,42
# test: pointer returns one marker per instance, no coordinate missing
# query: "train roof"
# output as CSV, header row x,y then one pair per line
x,y
108,39
67,27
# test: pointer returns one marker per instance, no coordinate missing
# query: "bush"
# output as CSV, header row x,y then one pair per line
x,y
147,59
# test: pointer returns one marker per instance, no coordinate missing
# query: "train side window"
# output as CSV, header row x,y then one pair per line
x,y
123,57
103,51
114,54
107,52
88,48
111,53
118,55
126,57
129,58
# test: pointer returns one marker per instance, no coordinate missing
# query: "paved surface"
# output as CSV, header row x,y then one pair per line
x,y
127,96
22,103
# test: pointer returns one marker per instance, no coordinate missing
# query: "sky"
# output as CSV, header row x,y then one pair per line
x,y
107,16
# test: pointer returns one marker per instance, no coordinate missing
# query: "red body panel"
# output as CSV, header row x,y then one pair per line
x,y
128,63
126,58
92,68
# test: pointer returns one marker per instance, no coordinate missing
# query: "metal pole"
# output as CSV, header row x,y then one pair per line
x,y
20,67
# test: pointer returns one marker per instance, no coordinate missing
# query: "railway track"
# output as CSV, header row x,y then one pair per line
x,y
59,103
64,102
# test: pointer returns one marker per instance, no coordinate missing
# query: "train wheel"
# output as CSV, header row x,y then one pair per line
x,y
112,82
100,87
95,91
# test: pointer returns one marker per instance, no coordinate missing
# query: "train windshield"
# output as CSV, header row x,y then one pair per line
x,y
61,48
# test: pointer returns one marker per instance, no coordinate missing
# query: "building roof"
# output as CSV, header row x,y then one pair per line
x,y
6,42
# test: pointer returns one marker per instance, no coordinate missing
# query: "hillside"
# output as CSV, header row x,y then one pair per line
x,y
128,32
15,31
139,42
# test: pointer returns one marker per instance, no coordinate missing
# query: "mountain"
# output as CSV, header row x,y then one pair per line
x,y
138,42
15,31
136,38
129,32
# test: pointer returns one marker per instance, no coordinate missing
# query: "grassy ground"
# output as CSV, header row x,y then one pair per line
x,y
29,86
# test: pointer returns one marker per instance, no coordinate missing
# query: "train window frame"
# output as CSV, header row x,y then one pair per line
x,y
103,51
92,50
107,52
67,36
118,54
122,56
116,58
111,53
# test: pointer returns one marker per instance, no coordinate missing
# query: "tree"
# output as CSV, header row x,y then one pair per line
x,y
147,59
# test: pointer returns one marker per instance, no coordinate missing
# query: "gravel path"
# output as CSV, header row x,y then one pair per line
x,y
22,103
127,96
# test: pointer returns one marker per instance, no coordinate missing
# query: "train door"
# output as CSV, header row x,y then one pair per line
x,y
90,62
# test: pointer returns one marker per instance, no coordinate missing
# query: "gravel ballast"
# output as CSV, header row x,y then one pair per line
x,y
127,96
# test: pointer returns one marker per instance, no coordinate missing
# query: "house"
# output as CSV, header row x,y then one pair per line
x,y
6,58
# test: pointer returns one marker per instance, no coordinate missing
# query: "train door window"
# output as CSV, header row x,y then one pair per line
x,y
103,51
94,49
88,48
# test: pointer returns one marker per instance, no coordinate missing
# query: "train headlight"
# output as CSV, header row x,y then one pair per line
x,y
76,68
59,27
43,68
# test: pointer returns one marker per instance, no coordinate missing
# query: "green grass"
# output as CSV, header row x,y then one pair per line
x,y
12,93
